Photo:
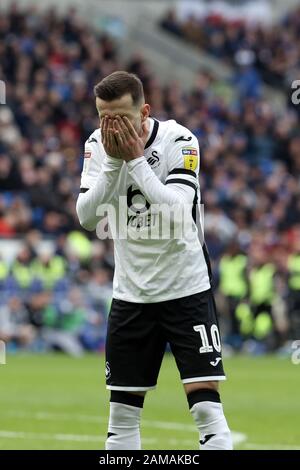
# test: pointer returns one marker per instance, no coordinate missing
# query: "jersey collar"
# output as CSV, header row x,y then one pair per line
x,y
153,133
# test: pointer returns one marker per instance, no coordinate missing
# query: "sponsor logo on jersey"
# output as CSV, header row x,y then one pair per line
x,y
190,158
87,154
189,151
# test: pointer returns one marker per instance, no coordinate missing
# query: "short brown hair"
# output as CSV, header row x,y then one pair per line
x,y
118,84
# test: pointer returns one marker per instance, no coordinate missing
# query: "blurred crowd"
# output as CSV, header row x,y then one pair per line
x,y
56,297
274,49
250,174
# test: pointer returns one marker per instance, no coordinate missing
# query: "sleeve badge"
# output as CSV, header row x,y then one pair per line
x,y
190,158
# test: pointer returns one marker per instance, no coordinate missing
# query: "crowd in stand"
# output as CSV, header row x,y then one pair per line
x,y
273,49
250,174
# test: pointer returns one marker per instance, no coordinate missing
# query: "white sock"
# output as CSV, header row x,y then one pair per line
x,y
123,427
212,425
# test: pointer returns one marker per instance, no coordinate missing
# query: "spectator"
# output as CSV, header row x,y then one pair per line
x,y
14,323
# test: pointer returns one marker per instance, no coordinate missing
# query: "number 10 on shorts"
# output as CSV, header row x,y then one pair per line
x,y
215,336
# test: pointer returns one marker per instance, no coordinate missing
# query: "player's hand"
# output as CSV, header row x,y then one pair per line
x,y
130,144
108,139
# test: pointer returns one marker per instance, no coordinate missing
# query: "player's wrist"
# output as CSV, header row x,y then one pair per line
x,y
133,157
132,162
116,161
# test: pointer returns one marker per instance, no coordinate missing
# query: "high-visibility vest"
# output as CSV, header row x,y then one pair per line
x,y
233,280
22,273
262,284
80,244
49,274
294,272
4,271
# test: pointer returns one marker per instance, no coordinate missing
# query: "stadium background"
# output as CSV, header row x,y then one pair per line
x,y
223,69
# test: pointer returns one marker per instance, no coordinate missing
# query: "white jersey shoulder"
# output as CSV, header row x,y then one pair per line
x,y
181,147
93,157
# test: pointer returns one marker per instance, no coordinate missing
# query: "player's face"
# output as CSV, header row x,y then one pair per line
x,y
124,106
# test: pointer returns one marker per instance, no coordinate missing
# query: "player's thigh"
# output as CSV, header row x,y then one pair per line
x,y
191,327
134,347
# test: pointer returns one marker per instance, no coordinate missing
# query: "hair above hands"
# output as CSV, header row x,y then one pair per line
x,y
118,84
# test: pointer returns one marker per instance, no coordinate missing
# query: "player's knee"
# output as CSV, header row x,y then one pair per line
x,y
204,404
124,421
206,408
125,409
135,399
207,411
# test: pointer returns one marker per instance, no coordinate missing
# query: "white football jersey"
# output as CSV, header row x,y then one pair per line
x,y
152,268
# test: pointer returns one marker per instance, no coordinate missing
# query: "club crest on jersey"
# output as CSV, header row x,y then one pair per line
x,y
153,161
87,154
190,158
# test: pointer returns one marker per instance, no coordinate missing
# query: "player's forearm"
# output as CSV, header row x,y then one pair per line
x,y
100,193
154,190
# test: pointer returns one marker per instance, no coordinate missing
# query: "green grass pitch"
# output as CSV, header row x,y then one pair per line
x,y
58,402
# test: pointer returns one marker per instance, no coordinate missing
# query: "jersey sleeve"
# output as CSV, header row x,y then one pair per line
x,y
183,160
92,161
98,182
